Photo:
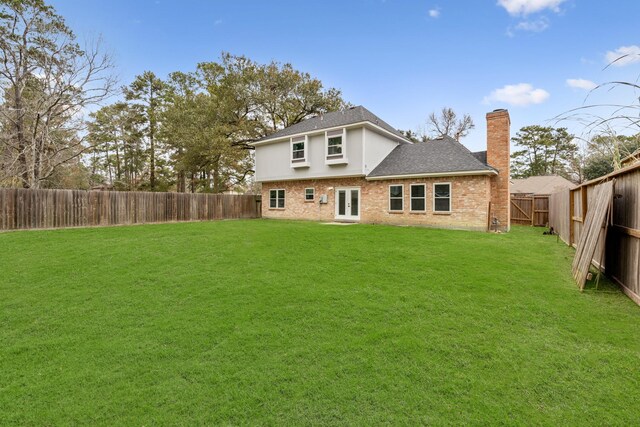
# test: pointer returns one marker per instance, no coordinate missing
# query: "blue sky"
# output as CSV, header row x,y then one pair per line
x,y
400,59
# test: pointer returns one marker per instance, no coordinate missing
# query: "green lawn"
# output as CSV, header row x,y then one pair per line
x,y
273,322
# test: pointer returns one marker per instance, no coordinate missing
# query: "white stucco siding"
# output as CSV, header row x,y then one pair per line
x,y
273,161
376,148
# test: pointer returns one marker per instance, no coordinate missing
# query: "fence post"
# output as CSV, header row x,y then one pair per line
x,y
585,203
571,214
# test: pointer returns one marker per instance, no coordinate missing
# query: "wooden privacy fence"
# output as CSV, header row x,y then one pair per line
x,y
25,209
568,212
530,210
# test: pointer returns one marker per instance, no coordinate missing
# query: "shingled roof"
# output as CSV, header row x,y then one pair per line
x,y
346,117
443,155
545,184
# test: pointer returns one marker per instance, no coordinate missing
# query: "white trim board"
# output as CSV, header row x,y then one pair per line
x,y
432,175
323,130
310,178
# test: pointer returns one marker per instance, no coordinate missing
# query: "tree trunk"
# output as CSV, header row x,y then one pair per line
x,y
216,180
21,143
152,131
115,142
182,182
108,164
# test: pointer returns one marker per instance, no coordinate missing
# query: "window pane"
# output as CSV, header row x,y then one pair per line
x,y
417,204
342,198
272,194
281,203
335,140
441,190
335,145
442,205
298,146
308,194
335,150
272,203
298,155
280,194
354,202
417,191
395,191
395,204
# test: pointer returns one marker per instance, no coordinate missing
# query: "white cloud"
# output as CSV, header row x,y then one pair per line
x,y
525,7
520,94
624,55
581,84
535,26
217,22
434,13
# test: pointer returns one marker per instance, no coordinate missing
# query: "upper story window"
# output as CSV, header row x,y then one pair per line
x,y
442,197
396,198
299,151
335,146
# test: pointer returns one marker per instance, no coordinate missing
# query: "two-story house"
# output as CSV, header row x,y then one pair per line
x,y
352,166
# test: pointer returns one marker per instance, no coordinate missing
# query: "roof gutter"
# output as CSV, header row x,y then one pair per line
x,y
322,130
433,175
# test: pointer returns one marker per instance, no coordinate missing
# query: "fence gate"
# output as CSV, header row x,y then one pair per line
x,y
530,210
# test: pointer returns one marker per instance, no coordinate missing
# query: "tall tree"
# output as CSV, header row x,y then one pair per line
x,y
118,153
286,96
47,81
447,123
544,151
147,92
214,113
605,152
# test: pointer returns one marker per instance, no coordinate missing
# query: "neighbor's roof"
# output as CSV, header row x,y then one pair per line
x,y
481,155
547,184
443,155
335,119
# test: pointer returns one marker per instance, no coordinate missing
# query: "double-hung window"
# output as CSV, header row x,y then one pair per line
x,y
396,198
276,199
442,197
418,197
335,144
299,151
309,194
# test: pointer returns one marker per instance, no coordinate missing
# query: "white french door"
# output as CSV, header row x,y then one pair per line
x,y
348,203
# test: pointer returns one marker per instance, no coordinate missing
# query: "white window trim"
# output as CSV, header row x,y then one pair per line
x,y
450,196
395,198
424,197
299,163
284,198
335,160
314,194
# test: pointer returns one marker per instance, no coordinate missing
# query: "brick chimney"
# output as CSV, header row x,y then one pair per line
x,y
499,156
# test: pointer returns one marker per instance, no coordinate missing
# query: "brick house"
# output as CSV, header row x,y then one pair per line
x,y
352,166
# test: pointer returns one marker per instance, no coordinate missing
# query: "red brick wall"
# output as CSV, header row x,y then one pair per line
x,y
469,201
499,156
